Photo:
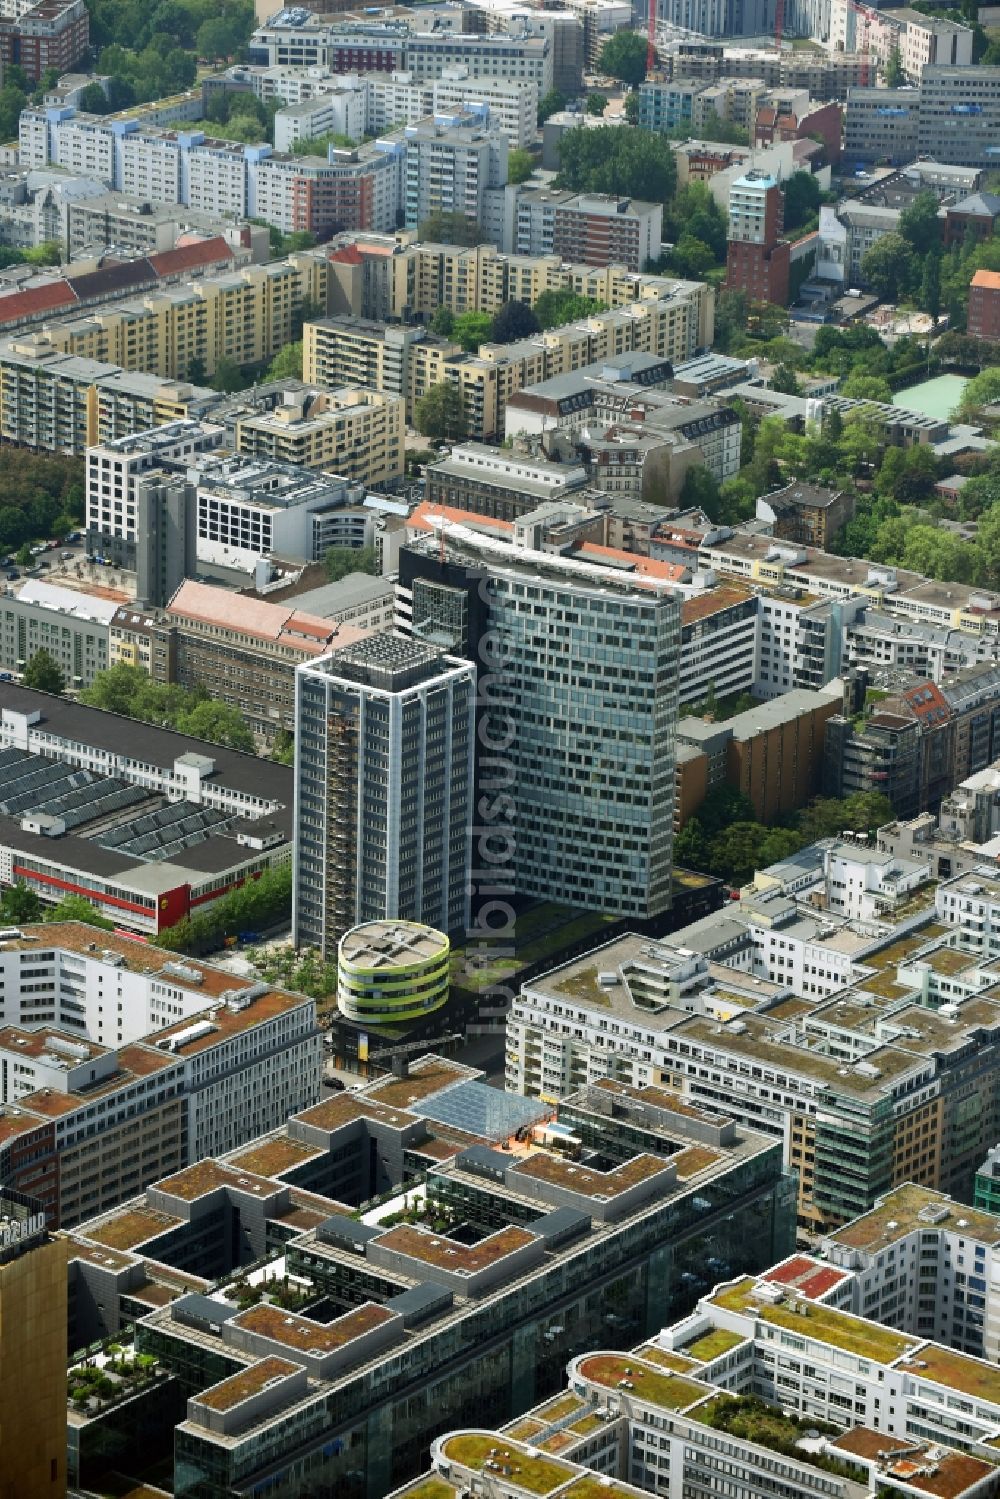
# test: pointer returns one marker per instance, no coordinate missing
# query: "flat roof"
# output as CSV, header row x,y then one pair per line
x,y
541,1166
449,1254
307,1336
898,1213
98,729
247,1383
814,1320
642,1381
131,1226
206,1176
426,1077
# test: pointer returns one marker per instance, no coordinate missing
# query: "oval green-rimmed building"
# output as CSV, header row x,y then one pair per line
x,y
390,971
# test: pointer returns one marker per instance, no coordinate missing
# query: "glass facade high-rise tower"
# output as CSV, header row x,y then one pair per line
x,y
578,675
384,733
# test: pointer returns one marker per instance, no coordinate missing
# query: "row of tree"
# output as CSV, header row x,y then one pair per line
x,y
131,693
724,837
262,902
41,496
20,904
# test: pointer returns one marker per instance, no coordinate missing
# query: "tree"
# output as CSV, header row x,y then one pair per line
x,y
520,165
286,364
554,308
20,903
735,852
691,846
802,196
827,817
624,56
472,329
731,318
43,674
440,414
691,258
866,388
219,724
785,380
888,267
625,163
24,557
550,104
283,749
700,491
196,371
930,286
894,75
217,39
451,229
228,376
724,132
982,390
78,908
94,100
632,108
443,321
723,805
920,226
597,104
514,320
343,560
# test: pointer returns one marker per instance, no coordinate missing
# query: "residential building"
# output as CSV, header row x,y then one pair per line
x,y
44,34
120,1112
605,846
64,404
350,46
772,753
809,514
384,736
244,651
757,258
107,221
73,627
984,305
594,229
780,118
545,1228
33,1319
455,163
355,433
147,824
333,112
920,742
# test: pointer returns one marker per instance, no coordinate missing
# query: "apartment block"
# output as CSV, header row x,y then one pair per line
x,y
44,34
385,743
122,1110
542,1228
455,163
587,228
757,258
357,434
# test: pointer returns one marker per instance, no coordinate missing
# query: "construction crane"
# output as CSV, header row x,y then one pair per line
x,y
651,43
866,15
779,23
398,1057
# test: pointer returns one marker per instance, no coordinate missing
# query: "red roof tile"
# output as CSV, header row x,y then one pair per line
x,y
37,299
190,257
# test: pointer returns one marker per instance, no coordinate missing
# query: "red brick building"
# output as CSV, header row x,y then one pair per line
x,y
984,305
976,215
773,123
52,34
758,258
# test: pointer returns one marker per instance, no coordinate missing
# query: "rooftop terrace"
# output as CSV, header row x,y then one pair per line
x,y
837,1329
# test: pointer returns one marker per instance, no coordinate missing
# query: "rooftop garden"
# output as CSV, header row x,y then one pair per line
x,y
498,1455
713,1344
583,986
752,1420
666,1359
109,1377
431,1487
624,1372
838,1329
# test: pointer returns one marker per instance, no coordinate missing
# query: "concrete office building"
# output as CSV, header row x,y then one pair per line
x,y
73,627
604,845
384,745
555,1244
